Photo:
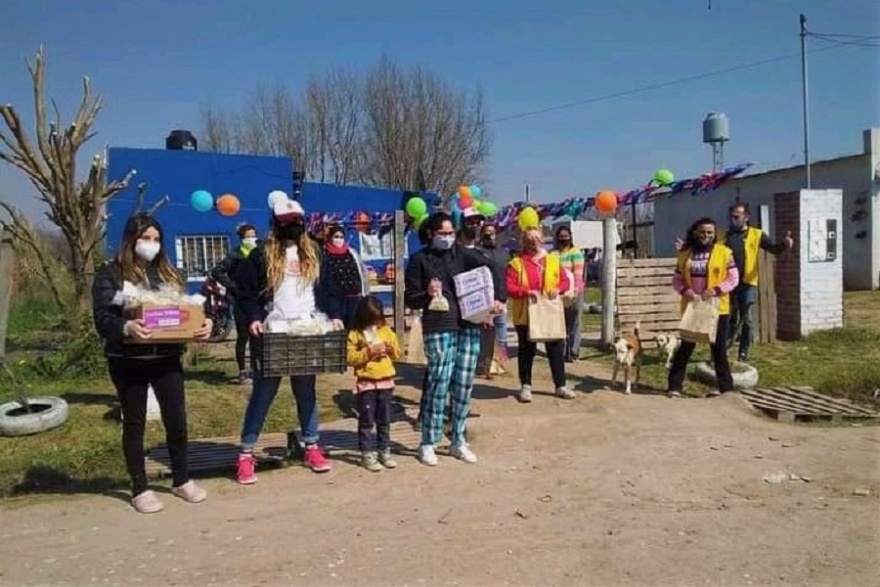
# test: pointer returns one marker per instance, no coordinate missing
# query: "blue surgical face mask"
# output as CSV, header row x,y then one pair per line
x,y
737,224
443,242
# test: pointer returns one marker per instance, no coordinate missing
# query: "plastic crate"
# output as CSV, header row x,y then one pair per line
x,y
284,354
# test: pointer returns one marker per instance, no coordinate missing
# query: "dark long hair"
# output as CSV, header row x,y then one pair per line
x,y
129,267
369,312
692,240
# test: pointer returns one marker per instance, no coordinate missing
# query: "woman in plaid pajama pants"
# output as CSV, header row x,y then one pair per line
x,y
451,345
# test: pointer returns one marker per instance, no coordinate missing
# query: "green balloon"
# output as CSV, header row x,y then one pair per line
x,y
417,223
416,207
664,177
488,209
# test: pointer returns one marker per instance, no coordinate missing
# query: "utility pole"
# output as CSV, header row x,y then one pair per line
x,y
528,198
805,92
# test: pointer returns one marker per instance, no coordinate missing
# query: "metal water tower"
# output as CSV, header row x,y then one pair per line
x,y
716,132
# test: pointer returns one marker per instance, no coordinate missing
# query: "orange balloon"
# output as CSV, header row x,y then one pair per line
x,y
228,205
606,202
464,191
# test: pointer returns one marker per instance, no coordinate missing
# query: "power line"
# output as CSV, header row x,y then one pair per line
x,y
854,43
661,85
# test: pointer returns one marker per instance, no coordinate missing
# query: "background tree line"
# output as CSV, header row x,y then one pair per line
x,y
388,127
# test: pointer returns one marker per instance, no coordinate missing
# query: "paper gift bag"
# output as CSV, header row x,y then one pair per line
x,y
700,322
415,351
546,319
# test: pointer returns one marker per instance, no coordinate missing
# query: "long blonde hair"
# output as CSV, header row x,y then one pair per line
x,y
276,257
130,268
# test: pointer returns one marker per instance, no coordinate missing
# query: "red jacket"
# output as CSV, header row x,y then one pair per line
x,y
535,274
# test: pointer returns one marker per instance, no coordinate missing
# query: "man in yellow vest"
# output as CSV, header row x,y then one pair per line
x,y
746,242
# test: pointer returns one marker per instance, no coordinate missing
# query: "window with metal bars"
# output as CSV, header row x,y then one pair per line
x,y
198,254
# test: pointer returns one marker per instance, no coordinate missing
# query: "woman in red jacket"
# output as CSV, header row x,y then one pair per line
x,y
536,273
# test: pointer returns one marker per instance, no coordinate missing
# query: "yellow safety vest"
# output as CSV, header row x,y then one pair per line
x,y
716,273
519,307
750,260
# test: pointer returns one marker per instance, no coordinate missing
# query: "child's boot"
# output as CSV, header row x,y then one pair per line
x,y
370,461
386,459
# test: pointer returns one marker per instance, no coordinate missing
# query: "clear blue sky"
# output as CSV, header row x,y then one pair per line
x,y
156,61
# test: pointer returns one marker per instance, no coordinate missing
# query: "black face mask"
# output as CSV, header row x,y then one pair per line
x,y
469,231
564,241
289,232
489,242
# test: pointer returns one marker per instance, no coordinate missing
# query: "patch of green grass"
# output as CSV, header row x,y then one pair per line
x,y
85,454
592,322
33,324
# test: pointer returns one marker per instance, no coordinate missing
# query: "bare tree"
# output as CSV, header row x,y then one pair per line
x,y
218,130
77,209
391,128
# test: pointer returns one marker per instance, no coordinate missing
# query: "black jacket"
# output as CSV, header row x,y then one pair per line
x,y
499,258
255,296
109,321
226,270
430,263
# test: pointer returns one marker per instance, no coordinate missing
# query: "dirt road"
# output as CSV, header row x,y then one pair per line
x,y
603,490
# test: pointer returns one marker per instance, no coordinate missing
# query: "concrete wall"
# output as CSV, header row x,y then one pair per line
x,y
809,290
855,175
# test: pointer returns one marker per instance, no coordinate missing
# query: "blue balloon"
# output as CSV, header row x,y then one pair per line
x,y
201,200
456,217
476,191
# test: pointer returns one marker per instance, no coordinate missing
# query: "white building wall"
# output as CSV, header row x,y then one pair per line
x,y
855,175
821,282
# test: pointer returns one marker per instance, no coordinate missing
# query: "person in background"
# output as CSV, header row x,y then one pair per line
x,y
498,261
705,270
536,272
281,274
372,349
225,273
344,277
142,261
451,346
571,259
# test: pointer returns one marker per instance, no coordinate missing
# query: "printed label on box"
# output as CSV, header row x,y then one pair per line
x,y
473,280
476,307
164,317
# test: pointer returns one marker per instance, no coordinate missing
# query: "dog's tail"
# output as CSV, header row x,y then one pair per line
x,y
636,330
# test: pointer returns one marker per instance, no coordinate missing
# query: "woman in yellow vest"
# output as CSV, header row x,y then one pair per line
x,y
705,270
533,273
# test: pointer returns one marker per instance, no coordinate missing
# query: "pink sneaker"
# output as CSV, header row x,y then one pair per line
x,y
315,460
246,465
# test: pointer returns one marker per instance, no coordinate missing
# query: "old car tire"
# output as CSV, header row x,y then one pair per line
x,y
46,413
745,378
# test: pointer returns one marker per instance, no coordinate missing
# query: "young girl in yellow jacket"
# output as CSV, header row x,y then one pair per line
x,y
372,350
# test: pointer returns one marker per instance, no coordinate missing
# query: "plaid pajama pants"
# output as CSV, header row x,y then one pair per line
x,y
452,363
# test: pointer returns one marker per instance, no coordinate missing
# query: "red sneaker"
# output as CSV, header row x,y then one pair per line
x,y
246,465
315,460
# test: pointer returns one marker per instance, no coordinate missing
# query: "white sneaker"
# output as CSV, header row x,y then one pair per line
x,y
463,453
525,394
564,393
427,456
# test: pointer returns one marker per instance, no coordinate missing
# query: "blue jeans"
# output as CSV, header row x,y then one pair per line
x,y
743,300
265,389
500,323
573,315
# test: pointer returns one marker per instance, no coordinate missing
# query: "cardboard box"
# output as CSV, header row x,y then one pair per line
x,y
477,306
169,323
474,280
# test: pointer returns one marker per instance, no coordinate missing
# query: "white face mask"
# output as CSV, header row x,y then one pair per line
x,y
249,242
338,241
147,250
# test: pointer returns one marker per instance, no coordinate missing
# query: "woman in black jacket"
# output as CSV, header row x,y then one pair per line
x,y
452,345
281,275
142,261
344,277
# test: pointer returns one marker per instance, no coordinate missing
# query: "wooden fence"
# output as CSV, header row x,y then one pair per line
x,y
645,294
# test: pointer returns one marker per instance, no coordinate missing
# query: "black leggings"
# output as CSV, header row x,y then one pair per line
x,y
131,378
525,357
678,368
241,338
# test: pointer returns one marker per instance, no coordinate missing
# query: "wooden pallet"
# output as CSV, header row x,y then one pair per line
x,y
645,296
214,454
799,404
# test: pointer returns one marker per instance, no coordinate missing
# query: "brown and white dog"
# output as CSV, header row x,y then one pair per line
x,y
628,354
668,344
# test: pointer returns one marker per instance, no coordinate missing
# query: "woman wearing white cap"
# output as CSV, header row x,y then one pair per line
x,y
281,274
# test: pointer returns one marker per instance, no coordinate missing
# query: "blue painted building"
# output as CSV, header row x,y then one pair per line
x,y
196,241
